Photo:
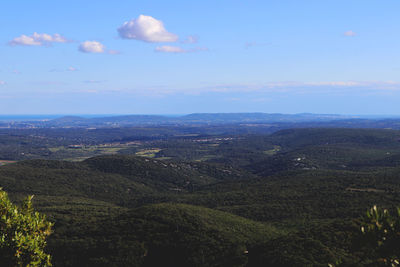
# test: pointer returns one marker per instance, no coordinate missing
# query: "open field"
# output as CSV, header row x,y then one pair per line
x,y
82,152
148,153
4,162
273,151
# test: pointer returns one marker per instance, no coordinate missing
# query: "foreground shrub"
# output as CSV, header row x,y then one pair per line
x,y
23,234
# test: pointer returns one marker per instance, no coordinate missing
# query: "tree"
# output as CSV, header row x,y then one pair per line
x,y
23,234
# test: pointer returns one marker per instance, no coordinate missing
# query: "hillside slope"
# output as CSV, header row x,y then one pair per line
x,y
162,235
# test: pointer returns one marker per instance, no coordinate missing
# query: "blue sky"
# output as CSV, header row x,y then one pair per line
x,y
176,57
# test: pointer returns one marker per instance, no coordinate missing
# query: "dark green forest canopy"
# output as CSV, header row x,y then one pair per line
x,y
297,190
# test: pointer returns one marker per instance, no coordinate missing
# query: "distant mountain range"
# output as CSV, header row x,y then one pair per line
x,y
143,120
190,119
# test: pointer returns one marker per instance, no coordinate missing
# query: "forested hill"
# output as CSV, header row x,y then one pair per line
x,y
292,198
105,200
115,179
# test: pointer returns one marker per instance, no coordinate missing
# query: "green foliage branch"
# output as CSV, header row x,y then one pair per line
x,y
381,232
23,234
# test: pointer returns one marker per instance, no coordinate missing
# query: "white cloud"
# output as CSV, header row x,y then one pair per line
x,y
147,29
350,34
92,47
2,82
72,69
38,39
177,49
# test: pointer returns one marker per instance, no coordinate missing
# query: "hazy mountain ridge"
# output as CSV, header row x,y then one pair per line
x,y
195,118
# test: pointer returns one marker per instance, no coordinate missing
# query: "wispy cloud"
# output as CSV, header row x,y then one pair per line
x,y
170,49
253,92
261,100
92,81
50,83
90,91
92,47
178,49
252,44
372,84
69,69
293,87
350,34
2,82
147,29
324,86
191,39
38,39
113,52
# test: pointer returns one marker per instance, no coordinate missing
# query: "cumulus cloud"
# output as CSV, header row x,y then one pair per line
x,y
350,34
38,39
92,47
177,49
147,29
